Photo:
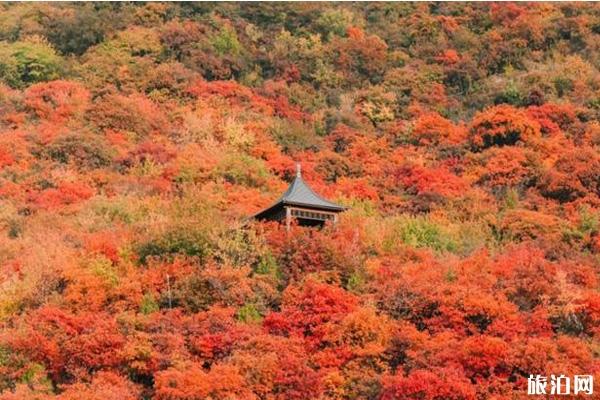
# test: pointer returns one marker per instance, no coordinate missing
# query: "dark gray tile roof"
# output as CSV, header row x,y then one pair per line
x,y
300,194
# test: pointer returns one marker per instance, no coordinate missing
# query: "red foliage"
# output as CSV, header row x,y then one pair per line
x,y
507,15
150,151
66,193
301,253
6,158
212,334
483,356
357,188
296,380
428,385
590,308
463,138
70,345
430,181
227,89
526,275
307,309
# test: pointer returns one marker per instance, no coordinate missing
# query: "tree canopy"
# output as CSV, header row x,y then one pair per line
x,y
136,138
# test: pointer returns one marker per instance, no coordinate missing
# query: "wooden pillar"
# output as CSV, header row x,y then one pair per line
x,y
335,219
288,218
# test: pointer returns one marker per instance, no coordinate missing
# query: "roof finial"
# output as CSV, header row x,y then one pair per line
x,y
298,170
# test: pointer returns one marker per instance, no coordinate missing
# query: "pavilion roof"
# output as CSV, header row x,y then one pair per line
x,y
300,194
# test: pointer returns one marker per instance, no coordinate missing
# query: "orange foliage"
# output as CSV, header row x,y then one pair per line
x,y
190,382
104,386
57,100
133,113
448,57
137,141
574,175
433,129
553,118
506,166
239,95
105,243
502,125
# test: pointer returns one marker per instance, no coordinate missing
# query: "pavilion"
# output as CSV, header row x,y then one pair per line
x,y
301,203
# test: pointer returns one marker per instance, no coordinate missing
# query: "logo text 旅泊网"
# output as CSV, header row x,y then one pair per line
x,y
560,385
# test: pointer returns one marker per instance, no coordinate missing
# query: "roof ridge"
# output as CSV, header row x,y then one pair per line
x,y
300,192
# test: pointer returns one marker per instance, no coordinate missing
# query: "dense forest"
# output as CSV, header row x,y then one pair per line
x,y
137,138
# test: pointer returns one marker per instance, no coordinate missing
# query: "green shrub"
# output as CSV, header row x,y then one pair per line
x,y
421,232
187,242
194,294
6,382
356,281
450,276
23,63
294,136
226,42
74,33
15,228
511,95
563,86
118,210
103,268
242,169
249,314
588,223
267,265
85,152
511,199
334,22
148,304
237,247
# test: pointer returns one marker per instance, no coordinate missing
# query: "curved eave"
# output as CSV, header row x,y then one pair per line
x,y
283,203
299,194
332,207
266,210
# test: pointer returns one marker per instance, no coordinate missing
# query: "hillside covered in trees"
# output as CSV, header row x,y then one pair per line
x,y
136,139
